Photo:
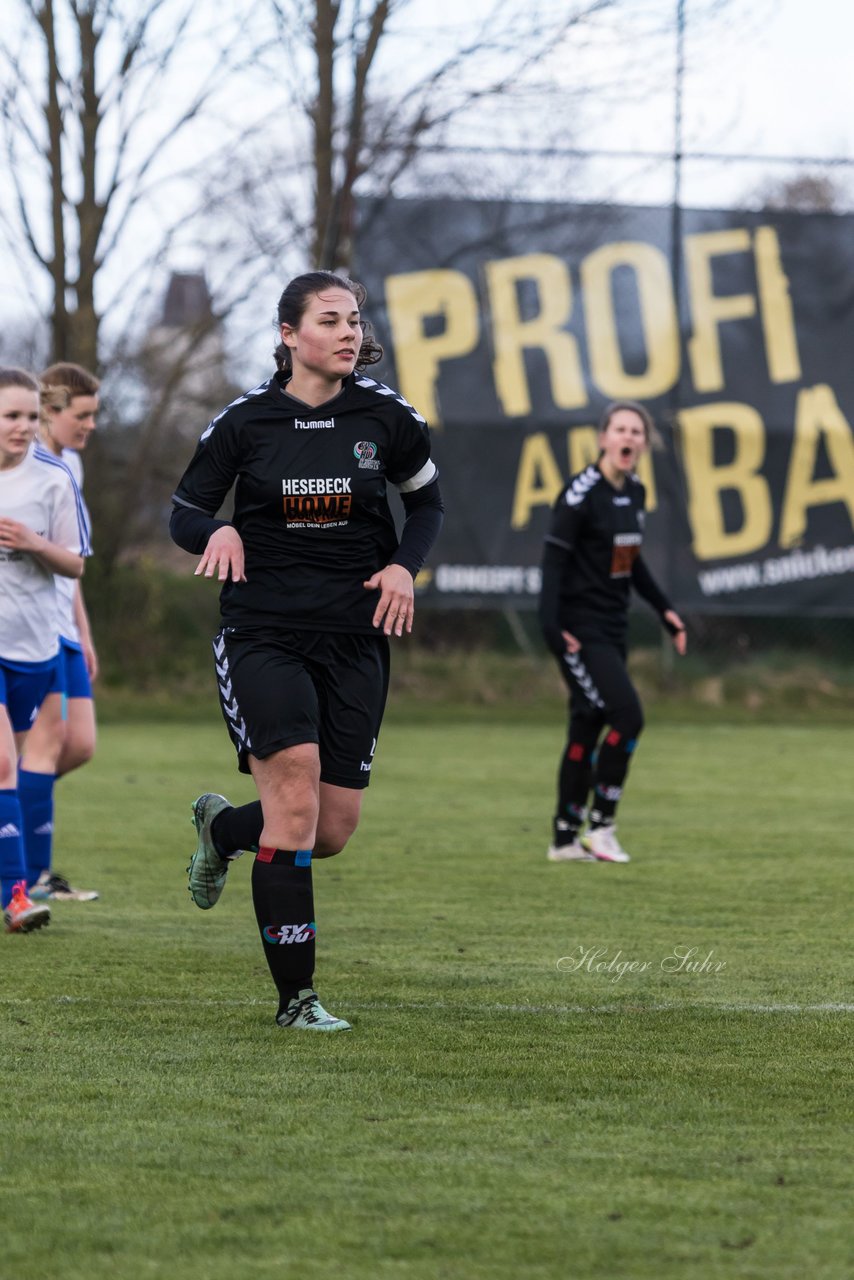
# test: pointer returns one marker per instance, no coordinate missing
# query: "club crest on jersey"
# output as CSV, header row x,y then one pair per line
x,y
366,451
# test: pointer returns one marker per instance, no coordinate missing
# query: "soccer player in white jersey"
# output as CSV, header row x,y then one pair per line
x,y
69,405
42,533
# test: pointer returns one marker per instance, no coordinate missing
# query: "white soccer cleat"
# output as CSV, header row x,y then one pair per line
x,y
574,852
602,842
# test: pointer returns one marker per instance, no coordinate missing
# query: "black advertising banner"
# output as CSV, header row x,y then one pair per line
x,y
510,326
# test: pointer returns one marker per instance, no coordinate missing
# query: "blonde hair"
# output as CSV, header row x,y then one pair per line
x,y
61,383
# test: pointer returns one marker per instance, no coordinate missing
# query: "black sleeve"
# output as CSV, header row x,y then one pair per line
x,y
205,485
554,559
191,528
424,508
409,466
565,527
645,585
568,516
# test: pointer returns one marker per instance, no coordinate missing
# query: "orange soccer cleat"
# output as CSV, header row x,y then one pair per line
x,y
22,914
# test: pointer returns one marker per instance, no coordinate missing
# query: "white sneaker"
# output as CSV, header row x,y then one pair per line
x,y
574,852
602,842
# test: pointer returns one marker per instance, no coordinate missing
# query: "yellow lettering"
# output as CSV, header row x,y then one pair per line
x,y
512,335
413,298
817,418
707,309
646,475
659,321
538,479
775,302
706,481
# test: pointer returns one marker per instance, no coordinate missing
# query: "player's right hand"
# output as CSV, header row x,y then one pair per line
x,y
573,644
223,556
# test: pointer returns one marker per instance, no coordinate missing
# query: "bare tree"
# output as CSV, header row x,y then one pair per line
x,y
98,183
807,192
371,109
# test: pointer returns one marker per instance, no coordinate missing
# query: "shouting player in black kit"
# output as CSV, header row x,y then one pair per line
x,y
315,583
591,558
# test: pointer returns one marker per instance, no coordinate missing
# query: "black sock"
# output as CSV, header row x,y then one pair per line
x,y
238,828
284,908
567,829
575,778
612,765
603,806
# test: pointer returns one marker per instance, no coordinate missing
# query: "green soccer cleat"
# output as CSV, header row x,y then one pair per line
x,y
305,1013
207,870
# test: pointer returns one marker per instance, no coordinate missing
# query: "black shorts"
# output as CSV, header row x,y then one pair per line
x,y
281,689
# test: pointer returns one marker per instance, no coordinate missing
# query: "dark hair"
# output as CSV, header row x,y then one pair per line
x,y
633,407
18,378
294,300
61,383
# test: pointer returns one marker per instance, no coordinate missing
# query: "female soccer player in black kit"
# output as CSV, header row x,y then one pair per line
x,y
591,558
315,583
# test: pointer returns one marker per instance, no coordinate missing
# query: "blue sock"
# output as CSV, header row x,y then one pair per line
x,y
13,866
35,792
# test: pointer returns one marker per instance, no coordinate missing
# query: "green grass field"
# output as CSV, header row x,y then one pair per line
x,y
503,1108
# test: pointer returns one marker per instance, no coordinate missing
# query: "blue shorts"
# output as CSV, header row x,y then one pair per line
x,y
24,687
75,677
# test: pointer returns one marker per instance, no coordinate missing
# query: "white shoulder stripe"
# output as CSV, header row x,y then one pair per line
x,y
426,475
247,395
44,455
370,384
581,486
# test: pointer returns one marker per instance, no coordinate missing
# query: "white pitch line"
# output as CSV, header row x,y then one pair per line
x,y
629,1007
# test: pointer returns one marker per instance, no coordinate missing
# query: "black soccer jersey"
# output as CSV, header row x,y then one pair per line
x,y
310,499
599,531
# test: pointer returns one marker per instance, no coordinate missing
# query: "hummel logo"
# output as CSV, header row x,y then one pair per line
x,y
581,486
313,424
9,830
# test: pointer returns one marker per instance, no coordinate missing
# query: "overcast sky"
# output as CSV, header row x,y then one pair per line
x,y
768,78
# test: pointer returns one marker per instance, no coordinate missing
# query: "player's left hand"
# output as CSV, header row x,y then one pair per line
x,y
90,657
676,627
396,607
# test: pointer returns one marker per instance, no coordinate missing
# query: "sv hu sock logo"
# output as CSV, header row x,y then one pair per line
x,y
284,934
